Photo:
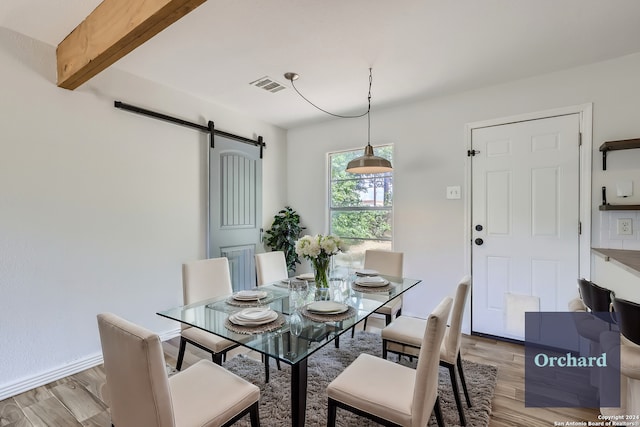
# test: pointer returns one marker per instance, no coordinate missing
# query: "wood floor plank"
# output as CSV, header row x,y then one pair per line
x,y
32,396
78,399
11,414
50,412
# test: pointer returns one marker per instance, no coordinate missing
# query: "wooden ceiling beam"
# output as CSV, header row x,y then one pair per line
x,y
112,30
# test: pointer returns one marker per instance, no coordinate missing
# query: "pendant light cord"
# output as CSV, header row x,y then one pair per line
x,y
366,113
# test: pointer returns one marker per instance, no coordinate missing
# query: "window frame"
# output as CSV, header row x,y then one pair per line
x,y
331,209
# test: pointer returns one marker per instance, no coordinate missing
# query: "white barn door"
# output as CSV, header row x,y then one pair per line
x,y
235,207
525,216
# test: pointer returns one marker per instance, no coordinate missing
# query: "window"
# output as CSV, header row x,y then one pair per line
x,y
360,206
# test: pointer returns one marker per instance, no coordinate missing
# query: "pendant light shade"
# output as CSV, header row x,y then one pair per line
x,y
369,163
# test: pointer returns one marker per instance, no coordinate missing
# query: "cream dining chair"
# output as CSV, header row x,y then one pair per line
x,y
364,386
271,267
201,280
387,263
140,394
404,337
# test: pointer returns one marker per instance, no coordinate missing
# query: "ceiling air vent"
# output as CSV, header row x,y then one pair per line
x,y
268,84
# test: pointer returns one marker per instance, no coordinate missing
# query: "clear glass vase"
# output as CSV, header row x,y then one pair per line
x,y
321,271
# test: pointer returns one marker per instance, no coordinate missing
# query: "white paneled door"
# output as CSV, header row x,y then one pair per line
x,y
235,206
525,219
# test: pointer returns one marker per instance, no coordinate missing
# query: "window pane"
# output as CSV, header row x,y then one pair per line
x,y
369,224
360,207
354,257
364,190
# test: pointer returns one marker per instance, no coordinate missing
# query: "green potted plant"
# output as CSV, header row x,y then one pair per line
x,y
283,234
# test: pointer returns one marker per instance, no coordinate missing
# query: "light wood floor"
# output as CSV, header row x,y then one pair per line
x,y
76,400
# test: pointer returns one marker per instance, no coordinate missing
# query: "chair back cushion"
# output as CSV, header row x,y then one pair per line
x,y
600,298
628,315
136,375
584,286
204,279
426,388
271,267
387,263
451,342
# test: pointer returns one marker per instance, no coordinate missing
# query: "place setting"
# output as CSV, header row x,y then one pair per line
x,y
254,320
327,311
371,284
250,298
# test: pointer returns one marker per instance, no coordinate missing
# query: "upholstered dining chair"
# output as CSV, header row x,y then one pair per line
x,y
201,280
271,267
387,263
140,394
404,337
363,387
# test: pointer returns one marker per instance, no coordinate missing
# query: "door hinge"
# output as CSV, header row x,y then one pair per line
x,y
471,153
579,139
579,228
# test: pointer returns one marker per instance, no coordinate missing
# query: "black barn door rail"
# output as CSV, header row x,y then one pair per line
x,y
210,129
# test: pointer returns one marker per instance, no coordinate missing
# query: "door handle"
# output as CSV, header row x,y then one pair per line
x,y
479,241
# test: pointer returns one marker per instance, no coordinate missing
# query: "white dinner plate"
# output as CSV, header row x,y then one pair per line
x,y
327,307
249,295
374,281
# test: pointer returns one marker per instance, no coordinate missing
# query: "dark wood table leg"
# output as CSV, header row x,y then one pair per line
x,y
298,393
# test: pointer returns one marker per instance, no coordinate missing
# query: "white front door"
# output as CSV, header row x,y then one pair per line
x,y
525,216
235,207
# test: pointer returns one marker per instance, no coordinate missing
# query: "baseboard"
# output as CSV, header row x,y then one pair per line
x,y
29,383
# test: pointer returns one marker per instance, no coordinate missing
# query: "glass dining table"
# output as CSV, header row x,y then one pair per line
x,y
298,332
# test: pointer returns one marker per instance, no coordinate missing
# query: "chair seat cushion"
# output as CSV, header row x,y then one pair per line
x,y
405,335
207,339
206,394
366,385
390,308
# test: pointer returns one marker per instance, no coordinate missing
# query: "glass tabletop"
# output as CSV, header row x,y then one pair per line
x,y
298,332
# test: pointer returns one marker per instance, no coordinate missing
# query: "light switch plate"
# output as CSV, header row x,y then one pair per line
x,y
453,192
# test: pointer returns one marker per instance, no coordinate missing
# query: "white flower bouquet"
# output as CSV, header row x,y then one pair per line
x,y
319,249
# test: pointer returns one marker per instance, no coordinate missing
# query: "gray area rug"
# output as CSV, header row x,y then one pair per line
x,y
327,363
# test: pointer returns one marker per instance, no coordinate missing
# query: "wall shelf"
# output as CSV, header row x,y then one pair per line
x,y
623,144
619,207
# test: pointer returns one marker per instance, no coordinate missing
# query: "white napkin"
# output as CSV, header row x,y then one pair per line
x,y
248,295
305,276
366,272
253,316
327,307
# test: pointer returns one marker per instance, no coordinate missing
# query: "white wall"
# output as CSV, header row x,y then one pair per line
x,y
98,207
429,154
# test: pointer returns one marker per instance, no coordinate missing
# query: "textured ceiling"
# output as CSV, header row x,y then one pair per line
x,y
416,48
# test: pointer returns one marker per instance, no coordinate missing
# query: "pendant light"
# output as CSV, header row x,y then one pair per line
x,y
367,163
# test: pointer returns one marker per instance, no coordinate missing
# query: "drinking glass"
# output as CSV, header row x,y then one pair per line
x,y
298,292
